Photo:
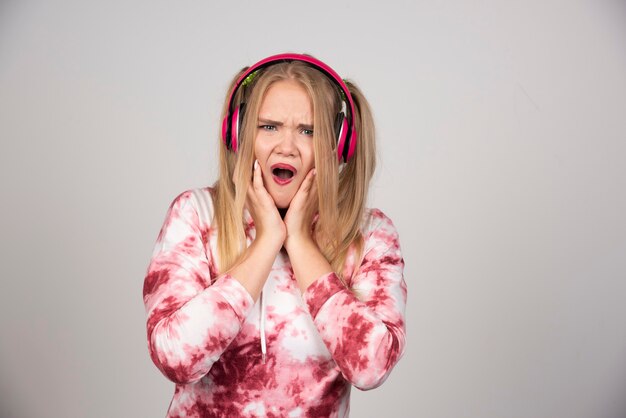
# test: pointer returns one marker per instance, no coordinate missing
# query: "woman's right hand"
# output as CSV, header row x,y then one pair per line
x,y
255,264
270,228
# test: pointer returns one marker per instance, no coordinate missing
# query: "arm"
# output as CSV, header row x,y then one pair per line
x,y
191,321
255,264
366,333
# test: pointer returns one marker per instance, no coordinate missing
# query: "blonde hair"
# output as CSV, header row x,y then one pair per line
x,y
341,193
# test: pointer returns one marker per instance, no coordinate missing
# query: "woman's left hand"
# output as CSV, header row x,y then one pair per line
x,y
299,216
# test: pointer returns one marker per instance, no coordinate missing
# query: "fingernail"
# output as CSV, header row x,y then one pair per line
x,y
314,172
256,164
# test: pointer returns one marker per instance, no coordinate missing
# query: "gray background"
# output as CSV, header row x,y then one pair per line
x,y
502,163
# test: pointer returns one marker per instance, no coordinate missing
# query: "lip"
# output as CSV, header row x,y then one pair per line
x,y
280,181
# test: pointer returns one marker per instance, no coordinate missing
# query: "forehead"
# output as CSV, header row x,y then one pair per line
x,y
286,96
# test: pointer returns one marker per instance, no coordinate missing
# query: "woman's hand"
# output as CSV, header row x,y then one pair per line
x,y
255,264
299,217
307,260
269,226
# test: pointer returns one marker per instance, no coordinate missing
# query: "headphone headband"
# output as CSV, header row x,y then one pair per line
x,y
349,136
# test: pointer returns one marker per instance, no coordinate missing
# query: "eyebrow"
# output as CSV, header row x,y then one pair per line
x,y
265,121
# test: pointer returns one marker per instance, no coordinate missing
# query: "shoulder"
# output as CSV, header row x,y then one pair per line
x,y
198,200
197,197
374,220
378,229
194,196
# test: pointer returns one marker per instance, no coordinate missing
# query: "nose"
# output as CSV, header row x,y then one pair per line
x,y
287,143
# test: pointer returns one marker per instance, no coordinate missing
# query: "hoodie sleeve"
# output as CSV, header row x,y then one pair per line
x,y
364,327
191,319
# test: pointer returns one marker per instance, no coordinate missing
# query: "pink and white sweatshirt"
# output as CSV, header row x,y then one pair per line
x,y
289,354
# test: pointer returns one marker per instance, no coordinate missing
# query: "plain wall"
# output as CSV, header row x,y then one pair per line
x,y
502,163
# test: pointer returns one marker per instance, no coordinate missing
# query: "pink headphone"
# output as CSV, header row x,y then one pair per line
x,y
344,124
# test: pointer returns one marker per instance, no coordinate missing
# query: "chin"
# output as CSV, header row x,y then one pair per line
x,y
282,202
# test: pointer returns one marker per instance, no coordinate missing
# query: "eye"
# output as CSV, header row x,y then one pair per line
x,y
308,132
267,127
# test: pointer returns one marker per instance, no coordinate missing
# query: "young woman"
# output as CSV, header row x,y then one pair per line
x,y
272,292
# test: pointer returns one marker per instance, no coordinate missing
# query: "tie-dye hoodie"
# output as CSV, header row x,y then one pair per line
x,y
289,354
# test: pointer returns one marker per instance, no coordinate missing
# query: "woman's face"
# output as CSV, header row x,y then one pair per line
x,y
284,139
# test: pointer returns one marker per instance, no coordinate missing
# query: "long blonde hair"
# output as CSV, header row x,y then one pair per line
x,y
342,193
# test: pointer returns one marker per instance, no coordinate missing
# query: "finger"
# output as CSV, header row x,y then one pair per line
x,y
250,193
304,191
309,181
252,201
257,179
313,188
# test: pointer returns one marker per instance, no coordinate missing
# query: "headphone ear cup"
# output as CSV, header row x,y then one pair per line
x,y
341,130
237,122
225,132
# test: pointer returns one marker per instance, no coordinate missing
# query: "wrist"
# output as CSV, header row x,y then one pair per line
x,y
293,242
306,259
271,240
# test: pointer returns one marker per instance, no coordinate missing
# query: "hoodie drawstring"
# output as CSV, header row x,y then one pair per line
x,y
263,343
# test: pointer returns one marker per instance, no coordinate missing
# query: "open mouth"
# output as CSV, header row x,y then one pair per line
x,y
283,173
